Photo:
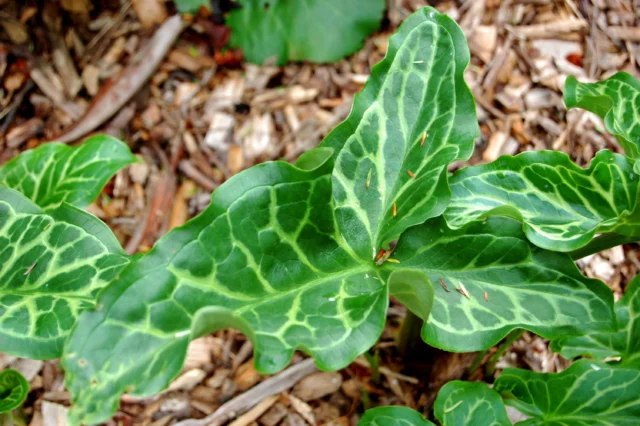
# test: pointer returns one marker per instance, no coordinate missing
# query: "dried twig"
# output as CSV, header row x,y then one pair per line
x,y
128,83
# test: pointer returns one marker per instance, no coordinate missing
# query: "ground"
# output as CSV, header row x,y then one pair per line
x,y
205,115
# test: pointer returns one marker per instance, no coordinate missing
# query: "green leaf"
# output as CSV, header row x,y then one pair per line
x,y
268,256
615,100
192,6
55,173
51,268
470,403
317,30
526,286
393,416
586,393
624,342
14,389
265,258
383,165
561,205
414,290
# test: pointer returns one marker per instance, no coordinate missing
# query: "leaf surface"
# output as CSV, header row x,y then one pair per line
x,y
14,389
415,116
624,342
526,286
393,416
616,101
317,30
268,256
586,393
264,258
55,173
51,268
470,403
192,6
561,205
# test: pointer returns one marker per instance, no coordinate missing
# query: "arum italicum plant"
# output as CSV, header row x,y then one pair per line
x,y
305,256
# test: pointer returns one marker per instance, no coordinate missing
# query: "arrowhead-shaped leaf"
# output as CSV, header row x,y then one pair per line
x,y
615,100
624,342
274,255
470,403
510,284
415,116
14,389
561,205
393,416
586,393
265,258
317,30
51,268
55,173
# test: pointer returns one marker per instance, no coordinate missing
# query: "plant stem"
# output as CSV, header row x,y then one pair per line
x,y
409,336
374,363
511,337
603,242
477,361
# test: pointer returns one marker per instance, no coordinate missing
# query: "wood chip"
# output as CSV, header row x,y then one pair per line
x,y
188,380
150,12
548,29
235,159
483,42
260,137
28,367
21,133
298,94
225,96
184,60
494,147
542,98
317,385
185,92
294,420
253,414
274,415
65,66
54,414
302,408
220,130
624,33
91,79
246,376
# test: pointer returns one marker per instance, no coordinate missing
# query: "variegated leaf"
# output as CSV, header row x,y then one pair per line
x,y
269,257
490,280
470,403
561,205
624,342
393,416
51,268
265,258
14,389
617,101
588,393
55,173
415,116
